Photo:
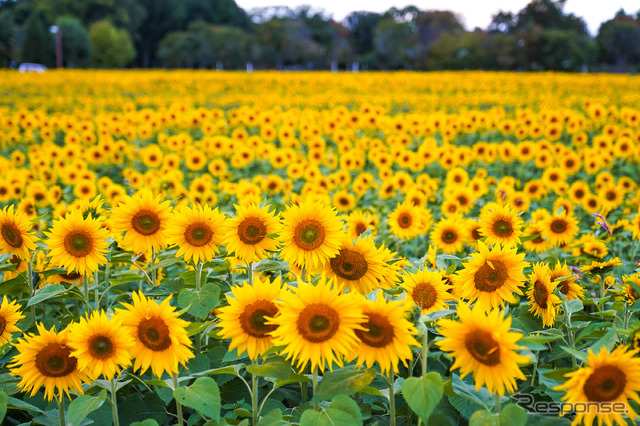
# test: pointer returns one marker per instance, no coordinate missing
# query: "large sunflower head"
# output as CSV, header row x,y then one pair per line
x,y
100,346
77,244
491,276
408,221
160,338
388,335
501,225
427,289
46,360
560,229
197,232
14,234
483,345
317,324
250,235
9,316
358,265
244,320
605,378
541,295
143,218
311,234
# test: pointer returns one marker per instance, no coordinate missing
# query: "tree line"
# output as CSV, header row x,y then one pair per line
x,y
219,34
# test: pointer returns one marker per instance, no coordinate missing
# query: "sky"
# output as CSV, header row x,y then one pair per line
x,y
474,13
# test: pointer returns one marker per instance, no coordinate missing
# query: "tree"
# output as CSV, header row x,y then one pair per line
x,y
111,47
76,48
161,18
362,26
7,35
395,44
38,43
219,12
618,42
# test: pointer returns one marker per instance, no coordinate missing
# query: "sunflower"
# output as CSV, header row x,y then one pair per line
x,y
408,221
144,220
605,378
14,233
501,225
9,316
483,345
77,244
317,324
358,222
541,295
537,244
448,234
160,338
568,285
598,268
358,265
491,276
244,319
311,234
560,229
196,231
99,345
427,289
251,233
388,335
46,360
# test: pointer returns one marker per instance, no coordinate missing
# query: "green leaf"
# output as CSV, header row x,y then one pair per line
x,y
608,340
203,396
484,418
574,305
343,382
579,355
423,393
200,303
513,415
342,411
293,378
163,264
273,369
15,286
148,422
19,404
45,293
126,278
273,418
270,266
83,405
3,405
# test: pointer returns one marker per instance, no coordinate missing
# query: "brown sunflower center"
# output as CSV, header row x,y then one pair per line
x,y
405,220
252,230
146,222
3,324
101,347
198,234
540,294
379,332
72,276
309,235
491,276
253,319
558,226
424,295
54,361
78,244
154,334
360,228
482,347
12,235
475,233
318,322
503,228
606,383
449,236
349,264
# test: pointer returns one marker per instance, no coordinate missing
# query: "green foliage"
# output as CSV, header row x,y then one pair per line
x,y
83,405
203,396
423,394
38,44
342,411
111,47
76,48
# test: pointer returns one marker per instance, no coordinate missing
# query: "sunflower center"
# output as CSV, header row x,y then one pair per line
x,y
154,334
318,323
491,276
252,230
198,234
424,295
349,264
360,228
78,244
482,347
72,276
146,222
404,220
3,324
253,319
558,226
503,228
101,347
54,361
379,332
540,294
606,383
12,235
449,237
309,235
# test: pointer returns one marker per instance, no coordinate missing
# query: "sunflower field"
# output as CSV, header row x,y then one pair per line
x,y
210,248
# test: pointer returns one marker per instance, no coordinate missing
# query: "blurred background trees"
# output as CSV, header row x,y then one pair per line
x,y
219,34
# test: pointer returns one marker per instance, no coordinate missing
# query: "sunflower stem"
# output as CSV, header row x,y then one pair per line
x,y
199,266
114,402
497,405
625,316
61,408
85,288
316,406
250,272
392,400
32,290
254,398
154,273
601,287
572,344
425,350
174,377
96,293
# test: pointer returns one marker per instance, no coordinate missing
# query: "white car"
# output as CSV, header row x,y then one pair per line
x,y
29,67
